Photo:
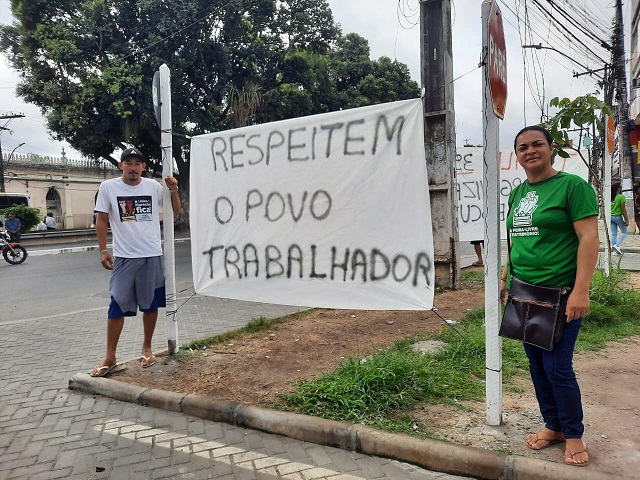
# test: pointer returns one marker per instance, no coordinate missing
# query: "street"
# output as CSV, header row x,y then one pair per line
x,y
52,326
56,284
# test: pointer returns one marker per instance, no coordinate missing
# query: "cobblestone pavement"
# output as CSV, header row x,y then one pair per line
x,y
48,431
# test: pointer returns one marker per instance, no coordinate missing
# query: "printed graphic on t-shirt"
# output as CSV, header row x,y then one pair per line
x,y
523,214
135,209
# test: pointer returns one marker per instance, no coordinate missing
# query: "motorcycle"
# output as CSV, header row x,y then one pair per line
x,y
13,252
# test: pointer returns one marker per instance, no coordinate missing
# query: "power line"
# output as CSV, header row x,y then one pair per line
x,y
539,17
566,29
580,26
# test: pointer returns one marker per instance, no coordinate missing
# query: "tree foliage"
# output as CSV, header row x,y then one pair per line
x,y
29,216
584,112
89,64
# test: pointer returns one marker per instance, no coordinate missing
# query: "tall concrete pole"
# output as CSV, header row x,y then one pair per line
x,y
440,136
622,101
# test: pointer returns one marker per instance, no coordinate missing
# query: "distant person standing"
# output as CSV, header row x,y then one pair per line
x,y
130,205
50,221
13,225
477,247
619,218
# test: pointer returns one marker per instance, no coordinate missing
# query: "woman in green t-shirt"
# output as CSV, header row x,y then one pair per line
x,y
553,227
619,218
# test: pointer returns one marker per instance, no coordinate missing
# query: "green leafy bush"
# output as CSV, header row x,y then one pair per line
x,y
29,216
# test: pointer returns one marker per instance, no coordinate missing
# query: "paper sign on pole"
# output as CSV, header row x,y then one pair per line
x,y
330,210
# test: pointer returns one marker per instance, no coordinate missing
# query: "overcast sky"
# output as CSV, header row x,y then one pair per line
x,y
393,35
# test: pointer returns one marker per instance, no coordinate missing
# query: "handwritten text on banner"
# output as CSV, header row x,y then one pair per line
x,y
330,210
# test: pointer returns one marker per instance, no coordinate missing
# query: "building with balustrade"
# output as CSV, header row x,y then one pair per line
x,y
60,185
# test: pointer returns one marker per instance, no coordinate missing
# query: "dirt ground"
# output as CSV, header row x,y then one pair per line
x,y
257,367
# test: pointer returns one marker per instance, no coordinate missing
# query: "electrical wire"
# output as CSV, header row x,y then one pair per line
x,y
539,19
408,16
563,36
578,25
535,25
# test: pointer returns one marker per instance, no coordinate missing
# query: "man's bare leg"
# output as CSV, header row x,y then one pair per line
x,y
149,320
114,329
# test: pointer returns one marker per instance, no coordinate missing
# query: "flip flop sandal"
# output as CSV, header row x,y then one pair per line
x,y
102,371
538,438
569,457
146,362
477,264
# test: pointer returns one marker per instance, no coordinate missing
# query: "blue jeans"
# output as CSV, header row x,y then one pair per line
x,y
617,221
556,385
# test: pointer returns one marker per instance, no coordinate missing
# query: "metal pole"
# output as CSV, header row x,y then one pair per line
x,y
620,74
166,147
491,209
1,170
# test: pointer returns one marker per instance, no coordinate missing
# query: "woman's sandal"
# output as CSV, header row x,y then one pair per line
x,y
538,441
569,457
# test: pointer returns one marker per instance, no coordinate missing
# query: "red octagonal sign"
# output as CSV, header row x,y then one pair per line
x,y
497,61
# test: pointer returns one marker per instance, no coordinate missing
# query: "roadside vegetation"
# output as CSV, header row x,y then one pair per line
x,y
29,216
380,389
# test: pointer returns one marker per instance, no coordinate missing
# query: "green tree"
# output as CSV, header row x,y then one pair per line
x,y
583,115
346,77
88,65
29,216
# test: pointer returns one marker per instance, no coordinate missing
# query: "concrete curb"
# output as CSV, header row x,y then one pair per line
x,y
431,454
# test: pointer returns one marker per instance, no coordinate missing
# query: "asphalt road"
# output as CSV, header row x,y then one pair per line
x,y
46,285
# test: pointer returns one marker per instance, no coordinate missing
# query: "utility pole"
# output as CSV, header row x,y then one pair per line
x,y
440,148
622,101
2,165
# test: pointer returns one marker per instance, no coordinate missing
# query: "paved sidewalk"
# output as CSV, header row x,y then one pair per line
x,y
48,431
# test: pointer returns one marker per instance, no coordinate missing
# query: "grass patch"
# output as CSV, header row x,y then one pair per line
x,y
378,389
373,389
255,325
382,389
472,277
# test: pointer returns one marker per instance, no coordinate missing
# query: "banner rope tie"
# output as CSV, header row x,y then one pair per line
x,y
435,310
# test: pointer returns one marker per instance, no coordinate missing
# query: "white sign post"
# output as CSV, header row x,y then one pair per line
x,y
495,93
330,210
162,103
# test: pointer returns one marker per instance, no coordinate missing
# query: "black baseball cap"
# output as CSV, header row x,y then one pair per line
x,y
131,152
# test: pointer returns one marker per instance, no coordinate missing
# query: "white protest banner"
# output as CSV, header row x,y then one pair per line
x,y
330,210
468,185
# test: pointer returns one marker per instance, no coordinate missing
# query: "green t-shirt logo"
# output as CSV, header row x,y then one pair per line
x,y
524,211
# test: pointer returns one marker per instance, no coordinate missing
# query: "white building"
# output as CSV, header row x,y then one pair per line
x,y
65,187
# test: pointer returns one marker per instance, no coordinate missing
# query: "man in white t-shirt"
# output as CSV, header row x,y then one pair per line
x,y
50,221
130,206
